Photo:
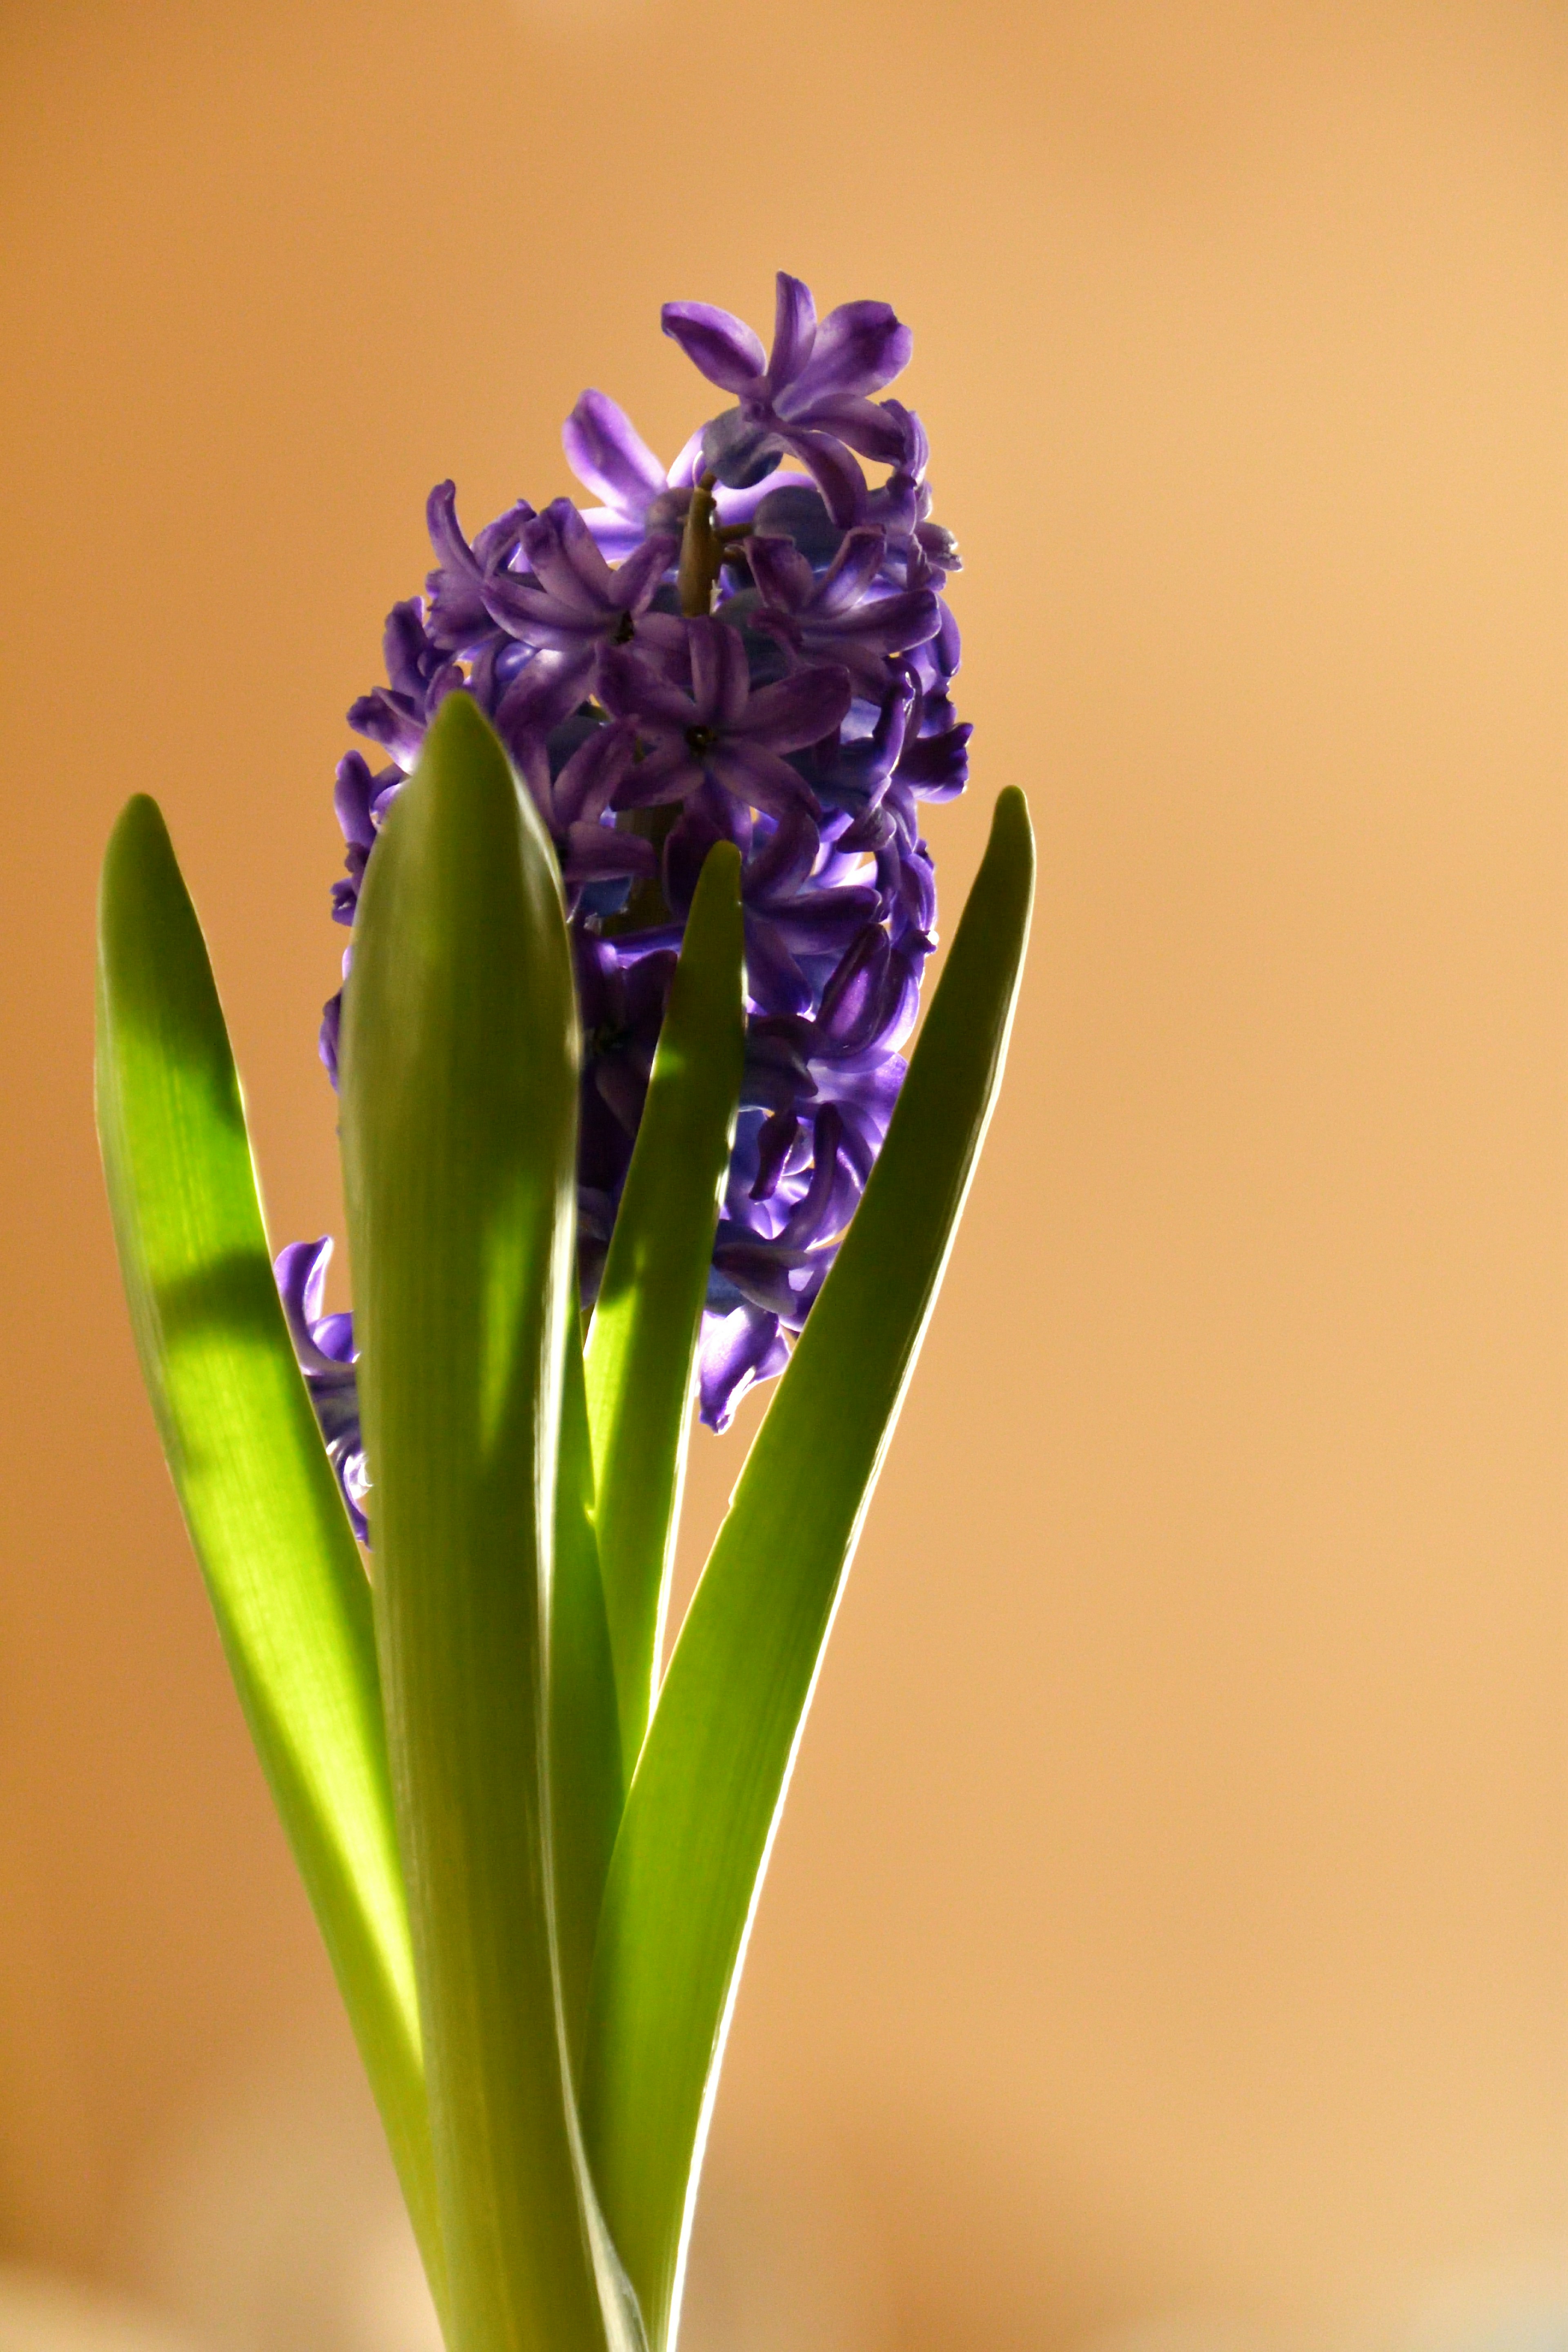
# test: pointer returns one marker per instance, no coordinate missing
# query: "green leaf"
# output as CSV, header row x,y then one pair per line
x,y
270,1529
703,1804
587,1786
642,1343
459,1078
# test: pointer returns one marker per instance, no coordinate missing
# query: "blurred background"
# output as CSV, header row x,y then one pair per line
x,y
1166,1949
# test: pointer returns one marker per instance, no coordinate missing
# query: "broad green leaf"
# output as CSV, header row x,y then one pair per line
x,y
459,1078
586,1782
643,1340
700,1814
270,1529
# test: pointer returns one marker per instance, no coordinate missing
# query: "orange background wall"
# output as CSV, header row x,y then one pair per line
x,y
1169,1922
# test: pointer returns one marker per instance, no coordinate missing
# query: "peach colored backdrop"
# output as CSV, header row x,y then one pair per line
x,y
1170,1918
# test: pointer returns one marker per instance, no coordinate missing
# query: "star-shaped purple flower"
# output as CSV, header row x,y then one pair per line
x,y
717,725
807,395
833,617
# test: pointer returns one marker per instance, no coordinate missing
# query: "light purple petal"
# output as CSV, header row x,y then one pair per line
x,y
729,1357
860,348
688,464
614,533
301,1274
604,450
722,345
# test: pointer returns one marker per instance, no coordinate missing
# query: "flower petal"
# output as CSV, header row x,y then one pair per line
x,y
794,330
604,450
760,778
865,425
722,346
860,347
797,711
834,470
780,571
731,1355
635,580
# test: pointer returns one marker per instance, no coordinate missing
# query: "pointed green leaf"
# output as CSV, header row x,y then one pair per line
x,y
700,1814
586,1783
281,1568
459,1078
643,1339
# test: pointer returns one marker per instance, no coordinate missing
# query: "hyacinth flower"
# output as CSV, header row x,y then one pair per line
x,y
640,908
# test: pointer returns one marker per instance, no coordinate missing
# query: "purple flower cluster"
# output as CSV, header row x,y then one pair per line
x,y
731,649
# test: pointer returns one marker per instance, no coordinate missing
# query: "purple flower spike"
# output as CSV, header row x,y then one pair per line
x,y
805,716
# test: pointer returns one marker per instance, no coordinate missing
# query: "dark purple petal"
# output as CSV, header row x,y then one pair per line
x,y
852,571
862,423
722,345
758,777
543,694
719,687
634,580
775,1142
797,711
669,772
782,573
773,978
560,549
406,649
390,723
937,766
794,330
592,851
586,785
604,450
834,470
631,687
352,796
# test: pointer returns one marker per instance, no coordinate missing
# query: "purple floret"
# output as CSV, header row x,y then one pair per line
x,y
804,715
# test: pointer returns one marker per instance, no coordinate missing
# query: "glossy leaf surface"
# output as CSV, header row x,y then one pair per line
x,y
643,1339
459,1076
281,1567
705,1800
